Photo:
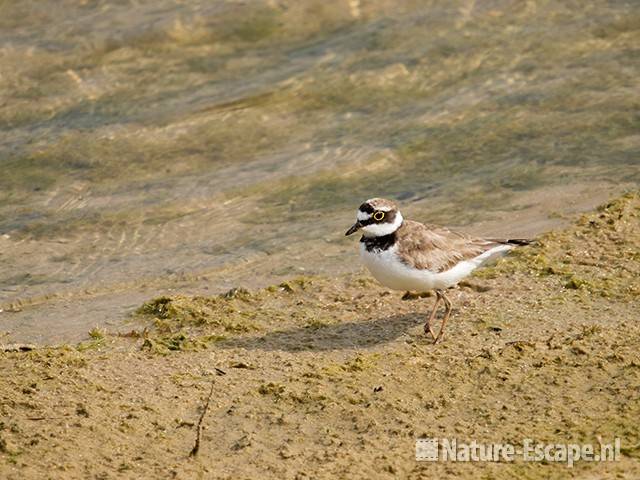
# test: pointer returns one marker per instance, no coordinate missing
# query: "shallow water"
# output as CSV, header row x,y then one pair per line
x,y
147,146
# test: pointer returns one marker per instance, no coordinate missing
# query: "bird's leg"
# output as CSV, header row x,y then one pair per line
x,y
427,326
447,313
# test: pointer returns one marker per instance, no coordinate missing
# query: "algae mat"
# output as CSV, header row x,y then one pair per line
x,y
332,377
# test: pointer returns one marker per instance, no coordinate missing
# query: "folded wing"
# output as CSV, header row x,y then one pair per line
x,y
434,248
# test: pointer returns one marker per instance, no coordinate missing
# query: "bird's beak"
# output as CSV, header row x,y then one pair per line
x,y
356,226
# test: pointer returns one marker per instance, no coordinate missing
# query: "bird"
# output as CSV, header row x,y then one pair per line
x,y
412,256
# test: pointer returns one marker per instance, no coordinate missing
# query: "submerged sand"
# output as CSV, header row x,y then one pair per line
x,y
333,378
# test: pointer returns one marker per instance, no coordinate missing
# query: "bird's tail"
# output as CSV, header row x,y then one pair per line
x,y
513,241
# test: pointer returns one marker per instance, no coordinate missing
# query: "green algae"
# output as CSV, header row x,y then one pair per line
x,y
93,344
97,333
594,255
360,363
576,283
298,283
180,322
318,323
272,389
164,343
216,312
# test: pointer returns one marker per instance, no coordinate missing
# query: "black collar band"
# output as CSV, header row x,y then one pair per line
x,y
379,244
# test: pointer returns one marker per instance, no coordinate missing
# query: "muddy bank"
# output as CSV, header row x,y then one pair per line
x,y
332,377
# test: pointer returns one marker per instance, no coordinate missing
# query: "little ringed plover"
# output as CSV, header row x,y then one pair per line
x,y
411,256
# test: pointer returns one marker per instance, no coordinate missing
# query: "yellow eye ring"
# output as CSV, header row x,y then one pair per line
x,y
378,216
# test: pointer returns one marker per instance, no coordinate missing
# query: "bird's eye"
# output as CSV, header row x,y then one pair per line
x,y
378,216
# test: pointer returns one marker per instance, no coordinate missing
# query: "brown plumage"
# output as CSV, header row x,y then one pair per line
x,y
434,248
379,204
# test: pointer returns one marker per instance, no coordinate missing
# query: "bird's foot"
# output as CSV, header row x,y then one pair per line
x,y
438,338
429,331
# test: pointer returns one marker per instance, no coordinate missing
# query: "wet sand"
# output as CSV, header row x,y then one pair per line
x,y
155,147
325,377
68,313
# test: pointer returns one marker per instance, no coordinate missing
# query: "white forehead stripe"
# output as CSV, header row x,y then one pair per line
x,y
362,216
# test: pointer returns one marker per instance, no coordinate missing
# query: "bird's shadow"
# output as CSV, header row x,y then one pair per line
x,y
331,337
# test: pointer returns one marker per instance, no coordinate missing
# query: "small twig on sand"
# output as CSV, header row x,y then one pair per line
x,y
196,445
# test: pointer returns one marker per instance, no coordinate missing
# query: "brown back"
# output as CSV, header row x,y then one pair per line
x,y
430,247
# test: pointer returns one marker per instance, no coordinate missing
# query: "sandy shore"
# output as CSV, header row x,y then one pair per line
x,y
332,377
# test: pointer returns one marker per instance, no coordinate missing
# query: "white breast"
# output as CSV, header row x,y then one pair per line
x,y
390,271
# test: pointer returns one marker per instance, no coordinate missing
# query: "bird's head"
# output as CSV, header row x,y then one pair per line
x,y
377,217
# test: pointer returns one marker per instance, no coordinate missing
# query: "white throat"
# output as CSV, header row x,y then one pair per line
x,y
382,229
